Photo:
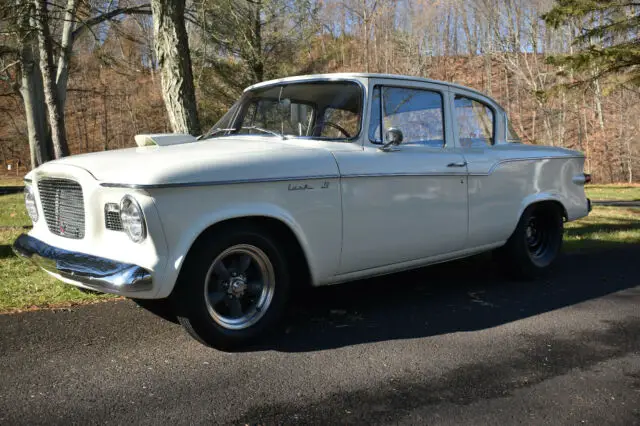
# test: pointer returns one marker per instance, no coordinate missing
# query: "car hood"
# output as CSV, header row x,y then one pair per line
x,y
228,159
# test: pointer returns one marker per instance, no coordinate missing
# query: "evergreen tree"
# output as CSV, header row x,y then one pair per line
x,y
607,35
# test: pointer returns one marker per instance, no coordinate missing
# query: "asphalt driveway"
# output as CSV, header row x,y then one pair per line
x,y
445,345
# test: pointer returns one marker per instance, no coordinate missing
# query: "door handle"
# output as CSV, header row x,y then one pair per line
x,y
462,164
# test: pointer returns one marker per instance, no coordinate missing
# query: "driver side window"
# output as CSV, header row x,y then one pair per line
x,y
347,120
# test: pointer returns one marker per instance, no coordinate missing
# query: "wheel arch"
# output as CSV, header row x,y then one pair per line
x,y
543,200
281,227
539,200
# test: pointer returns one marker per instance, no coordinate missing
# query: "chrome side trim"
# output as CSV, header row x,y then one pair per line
x,y
317,177
403,174
214,183
92,272
512,160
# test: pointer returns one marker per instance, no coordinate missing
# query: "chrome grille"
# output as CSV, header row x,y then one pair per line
x,y
112,217
63,206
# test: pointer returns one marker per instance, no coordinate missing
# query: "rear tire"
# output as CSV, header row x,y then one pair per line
x,y
535,244
234,287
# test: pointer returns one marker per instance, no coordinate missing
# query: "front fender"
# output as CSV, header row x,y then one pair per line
x,y
313,216
235,212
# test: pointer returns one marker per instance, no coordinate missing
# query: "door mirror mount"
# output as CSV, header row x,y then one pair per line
x,y
394,137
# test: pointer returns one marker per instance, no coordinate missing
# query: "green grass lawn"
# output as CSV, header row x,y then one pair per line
x,y
613,192
11,181
12,211
605,227
24,286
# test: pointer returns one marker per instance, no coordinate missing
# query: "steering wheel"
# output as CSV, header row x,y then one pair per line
x,y
337,127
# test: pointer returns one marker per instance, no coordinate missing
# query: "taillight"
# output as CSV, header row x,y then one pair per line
x,y
587,178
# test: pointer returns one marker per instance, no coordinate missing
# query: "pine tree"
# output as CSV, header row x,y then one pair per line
x,y
608,35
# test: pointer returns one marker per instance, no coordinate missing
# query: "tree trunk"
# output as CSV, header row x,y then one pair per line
x,y
34,107
45,44
62,75
105,120
174,59
365,23
257,62
598,101
31,90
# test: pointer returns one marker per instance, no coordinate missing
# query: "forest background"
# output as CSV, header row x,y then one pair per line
x,y
566,71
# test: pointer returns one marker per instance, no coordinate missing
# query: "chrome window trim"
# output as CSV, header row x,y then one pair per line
x,y
293,80
443,100
494,117
365,75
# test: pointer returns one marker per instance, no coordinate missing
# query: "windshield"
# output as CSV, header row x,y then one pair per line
x,y
313,110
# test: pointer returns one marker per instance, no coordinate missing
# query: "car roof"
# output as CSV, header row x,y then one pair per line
x,y
338,76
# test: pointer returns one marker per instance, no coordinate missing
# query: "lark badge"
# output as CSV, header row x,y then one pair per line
x,y
307,187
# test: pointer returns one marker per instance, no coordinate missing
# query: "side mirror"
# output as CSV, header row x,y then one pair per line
x,y
394,137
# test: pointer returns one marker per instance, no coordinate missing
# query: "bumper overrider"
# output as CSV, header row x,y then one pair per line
x,y
88,271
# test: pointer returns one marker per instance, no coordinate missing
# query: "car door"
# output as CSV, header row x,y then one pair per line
x,y
410,202
494,198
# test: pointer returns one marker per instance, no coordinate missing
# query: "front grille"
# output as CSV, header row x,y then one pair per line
x,y
112,217
63,206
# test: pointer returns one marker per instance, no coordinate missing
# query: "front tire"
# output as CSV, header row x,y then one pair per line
x,y
535,244
235,287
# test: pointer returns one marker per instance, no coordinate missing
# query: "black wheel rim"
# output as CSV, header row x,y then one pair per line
x,y
537,237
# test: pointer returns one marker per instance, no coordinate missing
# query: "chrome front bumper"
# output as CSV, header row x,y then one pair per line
x,y
88,271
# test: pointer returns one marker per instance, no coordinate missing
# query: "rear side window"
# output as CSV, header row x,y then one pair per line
x,y
512,135
475,122
417,113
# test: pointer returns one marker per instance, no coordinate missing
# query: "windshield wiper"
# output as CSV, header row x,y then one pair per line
x,y
260,129
213,132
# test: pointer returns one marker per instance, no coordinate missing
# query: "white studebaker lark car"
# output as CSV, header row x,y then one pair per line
x,y
320,179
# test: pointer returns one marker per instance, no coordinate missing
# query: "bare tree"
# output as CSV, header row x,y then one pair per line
x,y
174,59
56,114
31,89
66,45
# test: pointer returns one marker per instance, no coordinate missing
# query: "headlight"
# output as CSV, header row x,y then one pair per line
x,y
30,203
132,219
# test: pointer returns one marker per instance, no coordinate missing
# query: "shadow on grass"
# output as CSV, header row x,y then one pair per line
x,y
7,190
585,235
6,251
613,225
